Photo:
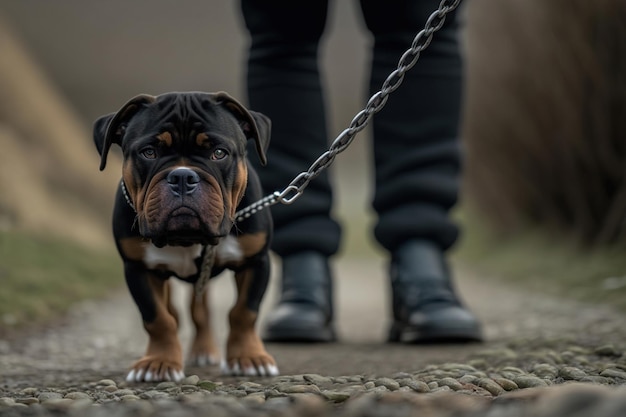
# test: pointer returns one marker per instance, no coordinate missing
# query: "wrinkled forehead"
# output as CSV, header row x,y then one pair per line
x,y
189,109
185,114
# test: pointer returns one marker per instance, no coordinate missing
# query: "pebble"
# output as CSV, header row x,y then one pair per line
x,y
190,380
451,383
6,401
29,392
317,379
249,386
27,400
123,392
545,370
47,395
507,384
441,389
106,382
458,367
491,386
613,373
501,376
388,383
77,395
369,385
336,396
58,403
162,386
153,394
207,385
418,386
597,379
255,398
572,373
468,379
287,388
608,350
528,381
129,397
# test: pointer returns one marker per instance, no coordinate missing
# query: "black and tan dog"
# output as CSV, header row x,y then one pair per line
x,y
185,173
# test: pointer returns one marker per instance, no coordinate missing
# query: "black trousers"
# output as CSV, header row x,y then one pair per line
x,y
416,147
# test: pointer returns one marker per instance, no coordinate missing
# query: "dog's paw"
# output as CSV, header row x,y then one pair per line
x,y
248,367
203,352
154,371
203,359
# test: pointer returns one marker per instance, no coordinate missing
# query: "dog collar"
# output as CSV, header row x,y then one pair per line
x,y
126,196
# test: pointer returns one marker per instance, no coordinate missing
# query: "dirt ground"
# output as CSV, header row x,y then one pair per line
x,y
100,339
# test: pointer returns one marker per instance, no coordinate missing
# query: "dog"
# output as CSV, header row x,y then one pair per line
x,y
184,174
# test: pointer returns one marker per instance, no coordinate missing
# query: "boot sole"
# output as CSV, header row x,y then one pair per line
x,y
299,335
401,333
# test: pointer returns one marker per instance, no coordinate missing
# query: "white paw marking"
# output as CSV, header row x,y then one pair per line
x,y
235,370
204,360
272,370
141,375
130,377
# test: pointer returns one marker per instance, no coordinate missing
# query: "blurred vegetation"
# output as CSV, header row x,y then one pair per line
x,y
543,263
42,276
546,116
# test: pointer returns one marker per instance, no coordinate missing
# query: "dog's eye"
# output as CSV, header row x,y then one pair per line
x,y
218,154
148,153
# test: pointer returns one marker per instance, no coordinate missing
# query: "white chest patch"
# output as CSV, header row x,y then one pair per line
x,y
229,250
178,259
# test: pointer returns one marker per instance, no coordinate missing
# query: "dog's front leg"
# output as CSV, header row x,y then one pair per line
x,y
245,352
163,360
203,349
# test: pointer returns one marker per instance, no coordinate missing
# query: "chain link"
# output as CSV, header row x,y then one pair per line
x,y
376,103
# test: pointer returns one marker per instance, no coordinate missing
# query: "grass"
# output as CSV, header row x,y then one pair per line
x,y
42,277
546,262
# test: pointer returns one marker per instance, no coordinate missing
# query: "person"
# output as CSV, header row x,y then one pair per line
x,y
417,163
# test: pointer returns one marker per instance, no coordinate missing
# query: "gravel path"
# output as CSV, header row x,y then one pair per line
x,y
543,357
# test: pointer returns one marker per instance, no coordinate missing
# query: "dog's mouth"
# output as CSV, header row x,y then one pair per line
x,y
184,227
184,240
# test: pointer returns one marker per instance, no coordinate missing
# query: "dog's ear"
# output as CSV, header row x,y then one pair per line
x,y
255,125
109,129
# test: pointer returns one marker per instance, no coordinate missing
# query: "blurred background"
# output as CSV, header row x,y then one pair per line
x,y
73,61
544,194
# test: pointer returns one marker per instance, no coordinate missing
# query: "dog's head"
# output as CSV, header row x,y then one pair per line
x,y
184,164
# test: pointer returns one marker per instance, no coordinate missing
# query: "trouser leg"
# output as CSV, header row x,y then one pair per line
x,y
418,163
416,138
283,82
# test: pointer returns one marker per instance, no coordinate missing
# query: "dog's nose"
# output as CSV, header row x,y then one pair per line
x,y
183,181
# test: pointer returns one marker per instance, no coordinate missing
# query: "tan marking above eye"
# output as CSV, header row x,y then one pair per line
x,y
166,138
201,139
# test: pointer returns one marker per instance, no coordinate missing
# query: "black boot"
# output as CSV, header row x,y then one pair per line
x,y
425,306
305,310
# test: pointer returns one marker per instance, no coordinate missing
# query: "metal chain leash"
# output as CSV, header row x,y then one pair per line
x,y
376,103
